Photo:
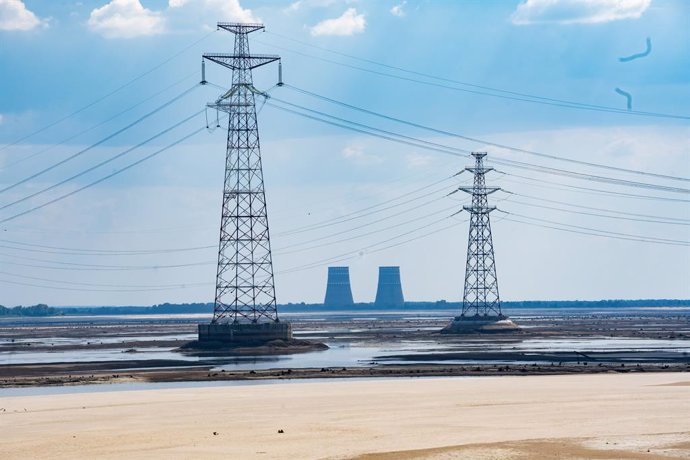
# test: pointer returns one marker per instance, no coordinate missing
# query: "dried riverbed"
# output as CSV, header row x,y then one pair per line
x,y
377,344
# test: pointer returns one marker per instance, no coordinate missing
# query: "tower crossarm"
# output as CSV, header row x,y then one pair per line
x,y
484,190
226,102
241,62
479,209
240,28
480,170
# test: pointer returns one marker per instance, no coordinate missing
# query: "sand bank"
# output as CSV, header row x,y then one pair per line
x,y
567,416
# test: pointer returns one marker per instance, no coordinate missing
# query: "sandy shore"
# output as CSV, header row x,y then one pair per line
x,y
565,416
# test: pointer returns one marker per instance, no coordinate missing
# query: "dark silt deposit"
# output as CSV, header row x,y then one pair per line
x,y
273,347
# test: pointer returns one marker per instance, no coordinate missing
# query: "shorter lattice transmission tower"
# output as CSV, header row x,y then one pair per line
x,y
481,303
245,303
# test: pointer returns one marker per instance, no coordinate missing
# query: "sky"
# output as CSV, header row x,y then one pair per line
x,y
549,76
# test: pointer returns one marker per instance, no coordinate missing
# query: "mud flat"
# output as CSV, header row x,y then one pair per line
x,y
271,348
568,416
30,375
114,350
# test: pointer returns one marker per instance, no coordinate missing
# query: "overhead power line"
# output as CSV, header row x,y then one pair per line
x,y
483,141
53,230
102,163
502,94
450,80
435,146
643,217
107,95
116,287
113,174
61,265
591,190
368,249
105,139
287,250
28,247
514,163
586,213
590,177
82,289
365,212
383,219
600,232
92,127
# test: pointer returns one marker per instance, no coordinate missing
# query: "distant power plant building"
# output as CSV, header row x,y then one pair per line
x,y
338,290
389,292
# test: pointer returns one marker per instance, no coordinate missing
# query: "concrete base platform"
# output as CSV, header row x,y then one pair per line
x,y
244,334
480,324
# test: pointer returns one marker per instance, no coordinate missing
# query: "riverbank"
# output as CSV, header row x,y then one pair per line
x,y
574,416
29,375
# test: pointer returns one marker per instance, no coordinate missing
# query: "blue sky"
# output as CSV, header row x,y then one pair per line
x,y
58,56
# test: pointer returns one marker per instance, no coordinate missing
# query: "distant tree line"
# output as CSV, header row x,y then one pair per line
x,y
34,310
614,303
207,308
164,308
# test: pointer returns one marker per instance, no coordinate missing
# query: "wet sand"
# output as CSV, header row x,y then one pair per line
x,y
566,416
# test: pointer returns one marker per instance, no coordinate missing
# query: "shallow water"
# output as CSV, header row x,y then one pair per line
x,y
602,344
347,348
84,356
339,354
99,339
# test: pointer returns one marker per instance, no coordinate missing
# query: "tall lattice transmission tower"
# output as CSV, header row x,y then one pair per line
x,y
481,283
245,301
481,303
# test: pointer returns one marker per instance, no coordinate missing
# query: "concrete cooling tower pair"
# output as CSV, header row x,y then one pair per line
x,y
388,293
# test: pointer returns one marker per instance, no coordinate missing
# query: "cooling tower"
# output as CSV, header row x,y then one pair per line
x,y
389,292
338,291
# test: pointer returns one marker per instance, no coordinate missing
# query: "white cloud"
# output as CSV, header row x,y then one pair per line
x,y
352,151
126,19
356,154
231,10
304,4
227,10
348,24
398,10
294,6
577,11
15,16
416,160
2,118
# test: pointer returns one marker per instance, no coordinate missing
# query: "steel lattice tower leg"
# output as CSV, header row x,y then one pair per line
x,y
244,281
481,284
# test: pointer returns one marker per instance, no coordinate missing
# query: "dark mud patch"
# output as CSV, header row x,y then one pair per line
x,y
272,348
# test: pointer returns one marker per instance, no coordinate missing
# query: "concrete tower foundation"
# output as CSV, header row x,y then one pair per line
x,y
244,333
